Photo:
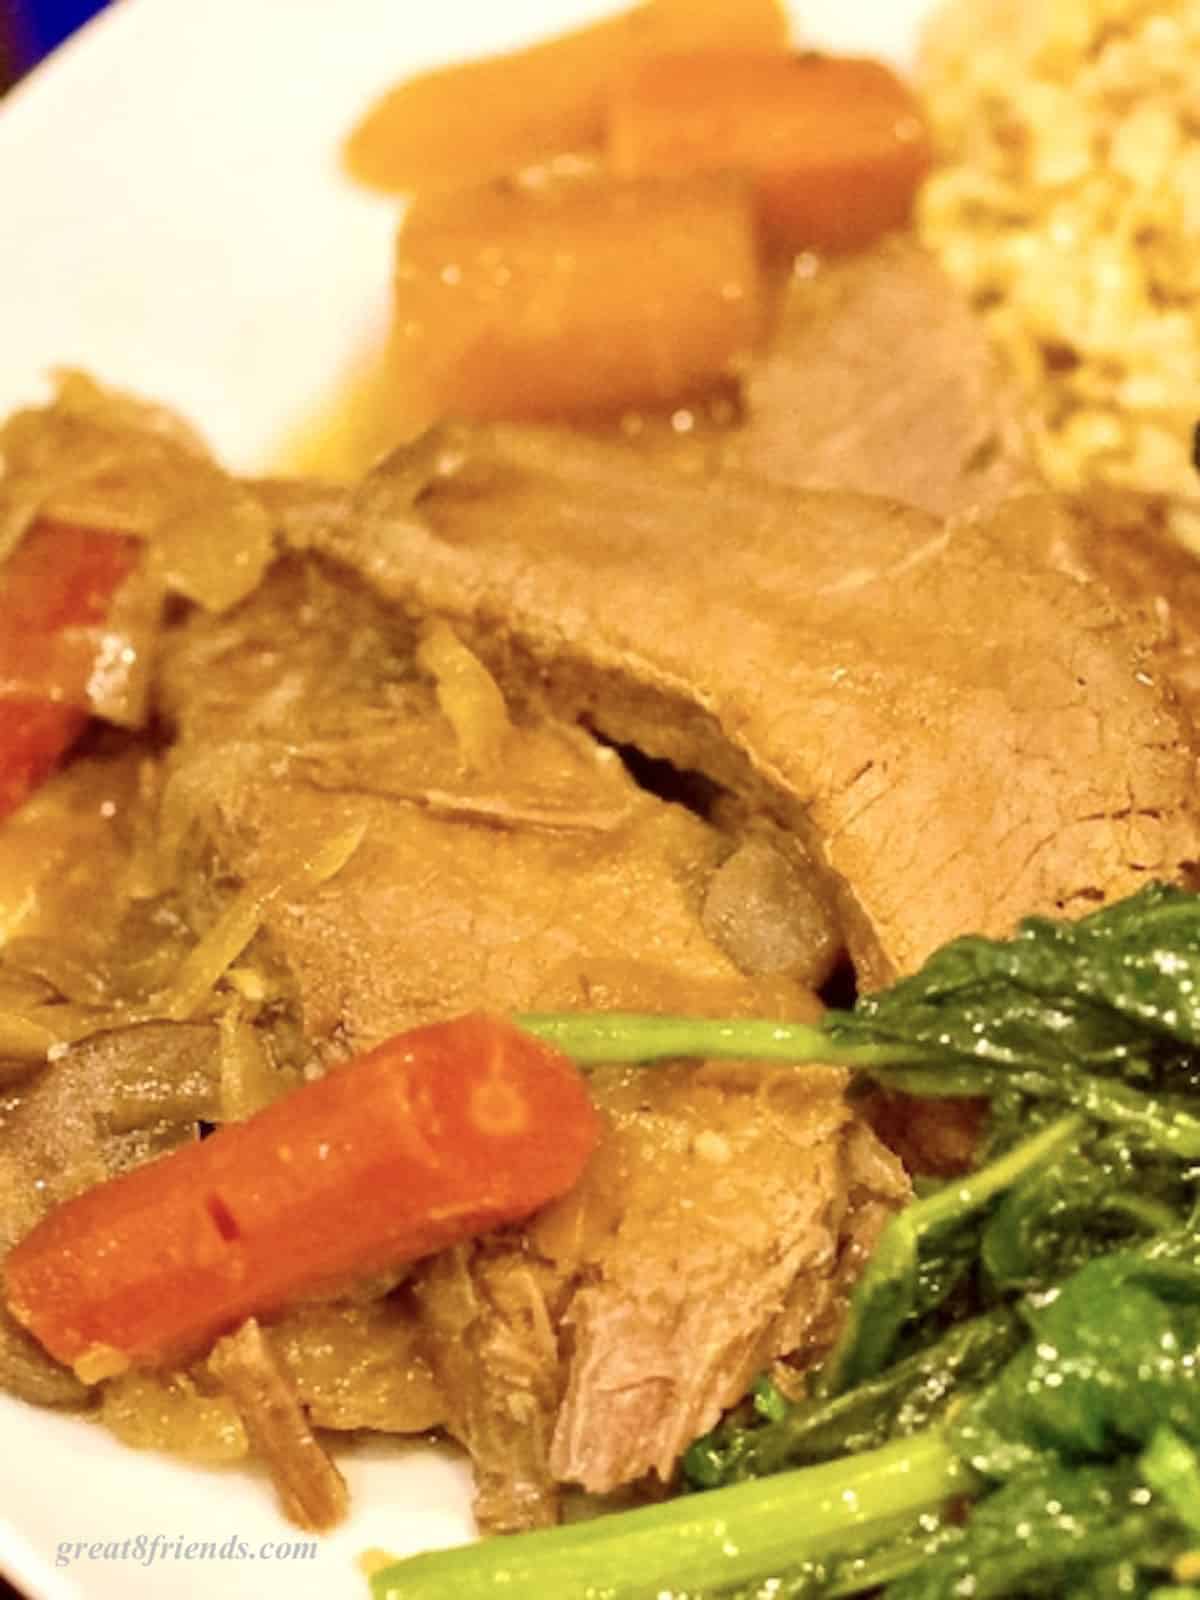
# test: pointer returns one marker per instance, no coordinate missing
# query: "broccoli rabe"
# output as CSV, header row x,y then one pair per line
x,y
1013,1408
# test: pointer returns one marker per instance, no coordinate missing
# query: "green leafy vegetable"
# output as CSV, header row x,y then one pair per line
x,y
1061,1215
1025,1338
699,1544
886,1295
1112,1355
1105,992
1171,1468
1052,1531
910,1396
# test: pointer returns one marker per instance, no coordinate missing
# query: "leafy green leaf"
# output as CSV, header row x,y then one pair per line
x,y
887,1293
1112,1355
1094,993
1051,1532
1171,1468
1079,1206
909,1397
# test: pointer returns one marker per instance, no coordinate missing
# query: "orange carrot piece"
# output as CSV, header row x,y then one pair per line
x,y
429,1139
574,298
836,146
464,123
55,589
34,737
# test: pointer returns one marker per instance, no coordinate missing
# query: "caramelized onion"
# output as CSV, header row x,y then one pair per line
x,y
149,1411
24,1041
248,1080
467,693
118,686
102,459
233,930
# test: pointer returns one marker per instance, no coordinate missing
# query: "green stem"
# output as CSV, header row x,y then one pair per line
x,y
960,1197
744,1534
1171,1469
595,1037
883,1295
1114,1103
895,1558
924,1383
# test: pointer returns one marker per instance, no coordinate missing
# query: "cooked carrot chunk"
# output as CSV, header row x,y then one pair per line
x,y
432,1137
34,737
55,590
571,298
835,145
460,124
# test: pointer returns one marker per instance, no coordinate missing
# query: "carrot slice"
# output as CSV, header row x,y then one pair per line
x,y
836,146
432,1137
34,737
55,589
571,298
460,124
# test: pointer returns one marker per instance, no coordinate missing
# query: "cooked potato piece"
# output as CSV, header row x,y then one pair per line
x,y
571,297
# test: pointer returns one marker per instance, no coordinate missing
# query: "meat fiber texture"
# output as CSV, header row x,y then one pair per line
x,y
720,1226
542,877
1127,541
961,730
880,378
726,1213
877,376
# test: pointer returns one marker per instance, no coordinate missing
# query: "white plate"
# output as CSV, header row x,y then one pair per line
x,y
174,221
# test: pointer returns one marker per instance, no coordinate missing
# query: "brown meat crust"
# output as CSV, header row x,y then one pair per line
x,y
1128,542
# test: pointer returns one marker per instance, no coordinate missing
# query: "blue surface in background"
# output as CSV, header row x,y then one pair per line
x,y
39,25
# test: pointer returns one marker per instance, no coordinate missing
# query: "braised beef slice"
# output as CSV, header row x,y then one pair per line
x,y
880,378
718,1227
739,1193
539,875
877,377
1128,543
548,879
961,732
